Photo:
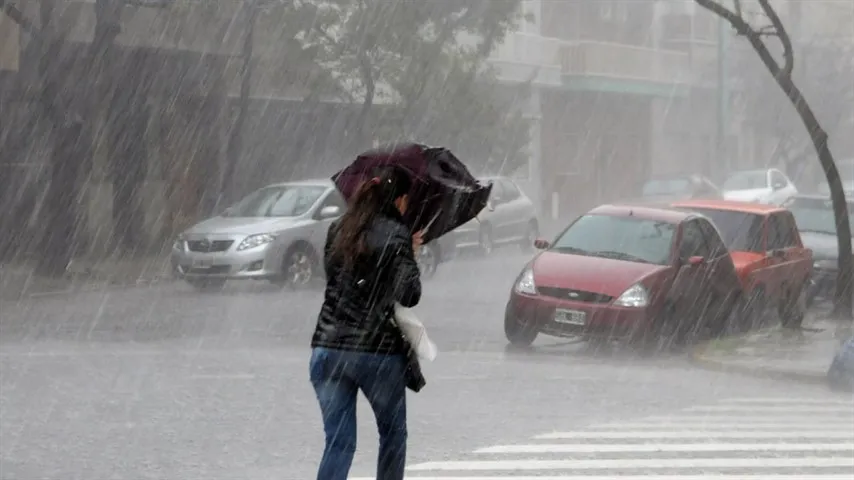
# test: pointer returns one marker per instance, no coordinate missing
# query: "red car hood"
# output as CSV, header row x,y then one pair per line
x,y
590,274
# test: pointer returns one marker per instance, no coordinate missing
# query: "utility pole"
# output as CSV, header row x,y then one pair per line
x,y
722,157
235,141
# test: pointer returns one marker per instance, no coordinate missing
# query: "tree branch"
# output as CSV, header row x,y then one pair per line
x,y
743,28
18,17
735,19
783,35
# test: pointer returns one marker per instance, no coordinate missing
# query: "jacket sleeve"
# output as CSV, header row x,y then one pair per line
x,y
407,277
327,249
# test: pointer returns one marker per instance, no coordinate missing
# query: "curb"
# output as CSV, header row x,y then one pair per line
x,y
699,358
90,287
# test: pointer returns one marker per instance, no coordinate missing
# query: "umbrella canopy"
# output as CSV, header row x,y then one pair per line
x,y
444,193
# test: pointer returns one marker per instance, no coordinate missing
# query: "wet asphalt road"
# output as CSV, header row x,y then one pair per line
x,y
168,383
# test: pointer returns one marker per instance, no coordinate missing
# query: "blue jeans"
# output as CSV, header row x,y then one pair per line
x,y
337,377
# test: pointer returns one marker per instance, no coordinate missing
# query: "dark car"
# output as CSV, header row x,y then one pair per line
x,y
626,272
817,225
679,187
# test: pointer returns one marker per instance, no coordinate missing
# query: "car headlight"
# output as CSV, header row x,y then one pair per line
x,y
253,241
526,284
180,243
635,296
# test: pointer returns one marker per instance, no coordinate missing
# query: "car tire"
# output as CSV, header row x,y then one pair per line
x,y
756,310
207,284
532,232
793,308
299,268
428,261
518,334
664,334
485,242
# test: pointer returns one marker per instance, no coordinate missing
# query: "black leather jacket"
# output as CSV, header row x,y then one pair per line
x,y
359,303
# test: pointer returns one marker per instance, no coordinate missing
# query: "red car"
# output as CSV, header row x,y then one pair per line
x,y
769,256
627,272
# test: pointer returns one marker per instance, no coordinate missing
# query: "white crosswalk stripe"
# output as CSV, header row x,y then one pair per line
x,y
734,439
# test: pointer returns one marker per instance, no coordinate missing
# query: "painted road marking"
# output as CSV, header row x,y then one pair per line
x,y
812,410
644,463
824,434
732,440
633,477
718,427
668,447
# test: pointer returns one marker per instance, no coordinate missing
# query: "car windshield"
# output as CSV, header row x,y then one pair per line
x,y
746,180
278,201
666,186
816,215
623,238
740,231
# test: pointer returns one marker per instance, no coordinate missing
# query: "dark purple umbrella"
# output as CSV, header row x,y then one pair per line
x,y
444,193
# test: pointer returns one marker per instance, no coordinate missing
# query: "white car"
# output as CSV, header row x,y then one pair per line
x,y
769,186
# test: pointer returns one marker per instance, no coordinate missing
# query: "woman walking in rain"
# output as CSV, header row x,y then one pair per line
x,y
370,264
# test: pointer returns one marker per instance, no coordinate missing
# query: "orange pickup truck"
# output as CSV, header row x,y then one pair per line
x,y
770,259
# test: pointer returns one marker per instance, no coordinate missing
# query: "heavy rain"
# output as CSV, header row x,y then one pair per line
x,y
651,278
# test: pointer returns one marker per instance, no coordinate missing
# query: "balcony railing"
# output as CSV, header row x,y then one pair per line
x,y
600,59
627,62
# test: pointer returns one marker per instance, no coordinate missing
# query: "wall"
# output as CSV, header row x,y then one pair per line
x,y
595,148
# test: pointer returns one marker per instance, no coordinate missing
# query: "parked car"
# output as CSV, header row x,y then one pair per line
x,y
510,218
678,187
817,226
276,233
769,186
626,272
770,258
846,174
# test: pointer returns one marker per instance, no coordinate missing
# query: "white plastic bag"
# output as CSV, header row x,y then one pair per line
x,y
415,332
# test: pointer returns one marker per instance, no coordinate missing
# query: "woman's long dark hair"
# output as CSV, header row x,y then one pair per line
x,y
376,195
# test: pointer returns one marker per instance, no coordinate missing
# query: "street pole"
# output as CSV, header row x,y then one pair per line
x,y
721,155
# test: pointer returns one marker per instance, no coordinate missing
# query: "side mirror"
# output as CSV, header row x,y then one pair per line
x,y
778,186
541,244
696,260
778,253
330,211
227,212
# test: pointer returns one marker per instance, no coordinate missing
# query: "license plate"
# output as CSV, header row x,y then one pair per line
x,y
570,317
202,263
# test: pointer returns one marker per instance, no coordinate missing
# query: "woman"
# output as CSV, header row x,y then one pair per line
x,y
370,265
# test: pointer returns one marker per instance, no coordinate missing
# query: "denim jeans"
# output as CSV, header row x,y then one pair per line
x,y
337,377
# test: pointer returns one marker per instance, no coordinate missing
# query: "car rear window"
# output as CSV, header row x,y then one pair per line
x,y
740,231
623,238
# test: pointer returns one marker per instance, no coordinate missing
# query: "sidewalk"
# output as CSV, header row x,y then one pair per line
x,y
802,355
17,281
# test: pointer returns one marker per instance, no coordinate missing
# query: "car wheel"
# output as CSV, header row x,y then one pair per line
x,y
485,241
207,284
531,234
793,308
664,334
299,268
519,334
428,261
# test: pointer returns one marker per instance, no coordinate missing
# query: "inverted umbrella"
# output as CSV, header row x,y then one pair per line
x,y
444,193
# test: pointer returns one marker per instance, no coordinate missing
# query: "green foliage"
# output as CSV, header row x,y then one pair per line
x,y
427,60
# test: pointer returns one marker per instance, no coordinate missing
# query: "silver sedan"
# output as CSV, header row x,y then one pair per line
x,y
276,233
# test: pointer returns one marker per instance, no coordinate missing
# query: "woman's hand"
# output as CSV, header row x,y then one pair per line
x,y
417,240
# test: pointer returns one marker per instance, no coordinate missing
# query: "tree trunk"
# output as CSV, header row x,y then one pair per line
x,y
842,301
70,148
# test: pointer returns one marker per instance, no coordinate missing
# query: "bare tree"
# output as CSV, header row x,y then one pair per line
x,y
782,72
